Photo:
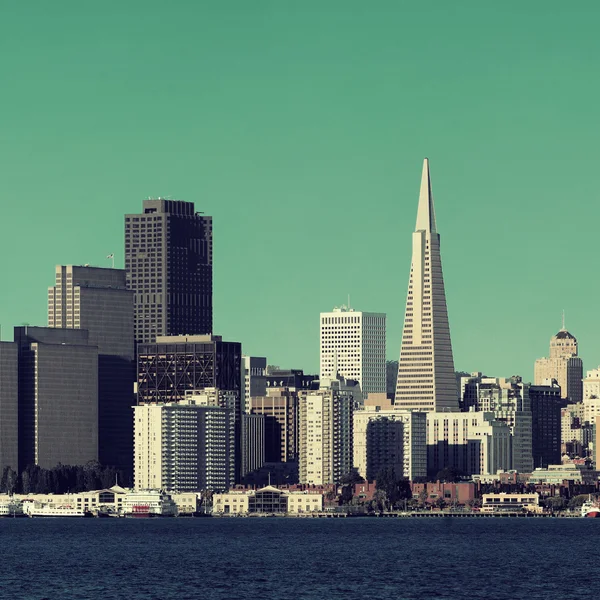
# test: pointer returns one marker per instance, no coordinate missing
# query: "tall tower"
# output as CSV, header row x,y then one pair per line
x,y
426,380
563,364
168,259
97,300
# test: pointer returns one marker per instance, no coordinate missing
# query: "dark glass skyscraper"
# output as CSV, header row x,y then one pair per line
x,y
168,259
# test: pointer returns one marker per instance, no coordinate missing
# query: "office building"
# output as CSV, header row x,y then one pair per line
x,y
508,400
9,406
176,365
352,344
384,436
168,259
280,409
545,423
325,447
473,442
426,380
58,397
184,446
564,365
253,443
97,300
254,372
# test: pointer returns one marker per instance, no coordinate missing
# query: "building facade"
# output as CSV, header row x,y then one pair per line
x,y
564,365
387,437
352,344
169,264
426,380
58,397
9,406
545,423
176,365
185,446
475,443
253,443
254,372
280,409
508,400
267,500
98,301
326,418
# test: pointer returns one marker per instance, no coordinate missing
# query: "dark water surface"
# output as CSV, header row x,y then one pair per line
x,y
100,559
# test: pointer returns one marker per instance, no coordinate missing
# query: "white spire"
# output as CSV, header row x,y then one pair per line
x,y
426,211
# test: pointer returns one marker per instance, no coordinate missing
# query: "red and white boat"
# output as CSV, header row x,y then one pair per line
x,y
590,509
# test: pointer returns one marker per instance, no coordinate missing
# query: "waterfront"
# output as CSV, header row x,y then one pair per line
x,y
411,559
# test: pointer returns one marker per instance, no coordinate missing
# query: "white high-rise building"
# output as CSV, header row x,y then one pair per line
x,y
184,446
353,345
426,379
325,429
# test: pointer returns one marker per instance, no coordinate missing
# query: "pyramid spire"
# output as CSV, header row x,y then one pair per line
x,y
426,380
426,211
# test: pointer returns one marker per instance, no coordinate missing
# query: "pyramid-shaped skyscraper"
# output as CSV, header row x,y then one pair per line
x,y
426,379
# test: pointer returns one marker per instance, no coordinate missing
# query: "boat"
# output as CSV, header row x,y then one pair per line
x,y
149,503
11,508
37,509
590,509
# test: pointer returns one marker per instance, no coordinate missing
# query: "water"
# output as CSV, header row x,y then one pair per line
x,y
299,559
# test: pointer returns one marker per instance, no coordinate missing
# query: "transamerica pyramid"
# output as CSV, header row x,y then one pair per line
x,y
426,380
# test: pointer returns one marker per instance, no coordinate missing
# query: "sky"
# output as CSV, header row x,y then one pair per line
x,y
301,128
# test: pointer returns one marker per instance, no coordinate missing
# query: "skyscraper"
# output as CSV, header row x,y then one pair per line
x,y
352,344
98,300
563,364
9,405
58,397
168,259
426,380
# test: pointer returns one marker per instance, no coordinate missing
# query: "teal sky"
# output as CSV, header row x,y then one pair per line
x,y
301,127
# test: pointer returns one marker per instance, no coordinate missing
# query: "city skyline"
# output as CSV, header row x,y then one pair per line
x,y
318,127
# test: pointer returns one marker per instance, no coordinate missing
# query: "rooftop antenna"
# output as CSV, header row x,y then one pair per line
x,y
111,257
348,301
563,320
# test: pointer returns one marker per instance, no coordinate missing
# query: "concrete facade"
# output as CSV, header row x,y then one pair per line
x,y
474,442
388,437
58,397
352,343
326,453
97,300
564,365
183,447
426,379
280,408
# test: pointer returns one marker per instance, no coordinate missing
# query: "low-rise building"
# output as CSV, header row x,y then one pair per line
x,y
495,503
267,500
557,474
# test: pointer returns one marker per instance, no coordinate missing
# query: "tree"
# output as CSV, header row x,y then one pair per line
x,y
351,478
577,501
395,488
440,503
449,475
556,503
